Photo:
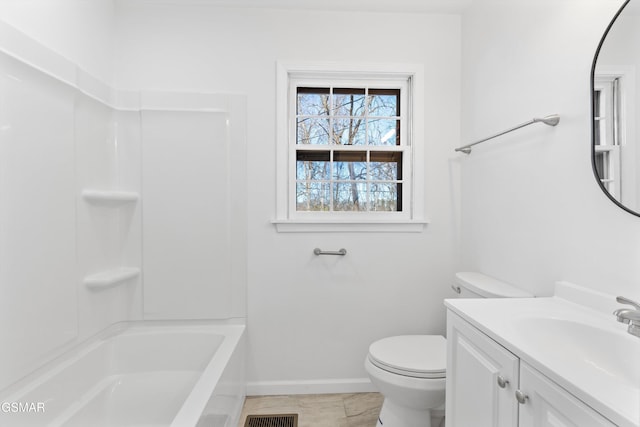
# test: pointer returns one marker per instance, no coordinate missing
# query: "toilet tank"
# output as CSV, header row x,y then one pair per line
x,y
477,285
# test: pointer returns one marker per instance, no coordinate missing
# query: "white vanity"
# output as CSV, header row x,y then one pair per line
x,y
557,361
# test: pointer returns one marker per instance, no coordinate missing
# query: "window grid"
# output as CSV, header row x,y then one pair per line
x,y
332,184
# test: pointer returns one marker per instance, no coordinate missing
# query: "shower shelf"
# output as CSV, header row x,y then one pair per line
x,y
109,278
109,198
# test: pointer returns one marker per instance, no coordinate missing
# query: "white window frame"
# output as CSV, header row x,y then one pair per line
x,y
292,75
609,141
620,155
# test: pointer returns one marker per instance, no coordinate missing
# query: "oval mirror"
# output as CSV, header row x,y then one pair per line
x,y
615,103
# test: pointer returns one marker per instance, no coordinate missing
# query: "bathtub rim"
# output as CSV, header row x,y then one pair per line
x,y
197,400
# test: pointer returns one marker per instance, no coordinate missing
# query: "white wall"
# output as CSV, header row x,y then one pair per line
x,y
312,319
532,212
79,30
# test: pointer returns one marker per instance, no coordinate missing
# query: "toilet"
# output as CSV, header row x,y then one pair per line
x,y
409,370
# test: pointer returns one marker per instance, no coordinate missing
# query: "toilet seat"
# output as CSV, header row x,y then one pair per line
x,y
418,356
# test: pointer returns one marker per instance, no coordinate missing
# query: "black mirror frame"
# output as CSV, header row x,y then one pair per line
x,y
593,116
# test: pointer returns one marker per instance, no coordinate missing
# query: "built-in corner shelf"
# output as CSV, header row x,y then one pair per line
x,y
109,198
111,278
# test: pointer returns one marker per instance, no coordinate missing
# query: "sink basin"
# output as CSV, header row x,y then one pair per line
x,y
609,352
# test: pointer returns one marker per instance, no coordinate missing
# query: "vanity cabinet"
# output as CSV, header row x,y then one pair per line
x,y
488,385
549,405
475,363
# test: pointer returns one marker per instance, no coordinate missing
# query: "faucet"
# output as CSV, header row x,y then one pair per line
x,y
629,316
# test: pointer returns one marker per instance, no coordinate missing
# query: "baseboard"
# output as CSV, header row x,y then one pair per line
x,y
273,388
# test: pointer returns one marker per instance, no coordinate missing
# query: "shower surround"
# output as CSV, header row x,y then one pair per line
x,y
115,206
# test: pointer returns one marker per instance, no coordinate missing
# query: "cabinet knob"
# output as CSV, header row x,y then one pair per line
x,y
502,383
521,397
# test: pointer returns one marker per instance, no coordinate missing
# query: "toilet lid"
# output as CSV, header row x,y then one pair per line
x,y
421,356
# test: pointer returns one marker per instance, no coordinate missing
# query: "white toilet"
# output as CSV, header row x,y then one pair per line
x,y
409,370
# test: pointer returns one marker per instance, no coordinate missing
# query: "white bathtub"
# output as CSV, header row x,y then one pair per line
x,y
178,374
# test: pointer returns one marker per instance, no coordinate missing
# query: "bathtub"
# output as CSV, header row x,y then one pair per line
x,y
178,374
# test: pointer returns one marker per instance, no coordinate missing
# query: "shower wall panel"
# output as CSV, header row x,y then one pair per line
x,y
38,282
107,157
187,256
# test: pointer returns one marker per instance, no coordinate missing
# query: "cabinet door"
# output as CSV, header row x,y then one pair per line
x,y
548,405
476,366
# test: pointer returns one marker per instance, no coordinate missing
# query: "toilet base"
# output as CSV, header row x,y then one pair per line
x,y
393,415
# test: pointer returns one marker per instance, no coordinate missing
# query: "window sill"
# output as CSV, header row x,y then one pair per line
x,y
319,226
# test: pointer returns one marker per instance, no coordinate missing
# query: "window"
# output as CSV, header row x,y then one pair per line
x,y
347,146
607,133
348,149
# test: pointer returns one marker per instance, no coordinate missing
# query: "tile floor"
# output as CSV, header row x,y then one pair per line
x,y
319,410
